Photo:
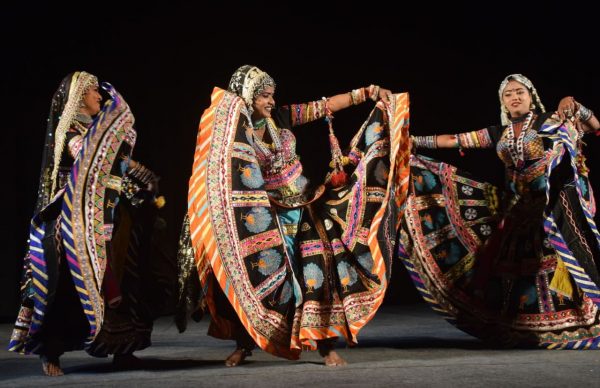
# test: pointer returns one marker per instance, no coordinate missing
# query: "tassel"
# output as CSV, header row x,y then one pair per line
x,y
338,176
160,202
561,282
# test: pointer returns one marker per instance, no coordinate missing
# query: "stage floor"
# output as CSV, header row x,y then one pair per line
x,y
402,346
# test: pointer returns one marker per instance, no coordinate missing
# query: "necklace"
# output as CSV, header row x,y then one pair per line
x,y
516,149
259,123
272,152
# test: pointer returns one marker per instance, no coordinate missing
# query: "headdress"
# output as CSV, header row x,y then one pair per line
x,y
248,82
63,110
525,81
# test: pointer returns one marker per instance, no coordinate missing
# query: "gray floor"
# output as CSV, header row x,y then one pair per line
x,y
402,346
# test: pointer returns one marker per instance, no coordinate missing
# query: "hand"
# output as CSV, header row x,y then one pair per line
x,y
413,145
384,95
567,108
132,163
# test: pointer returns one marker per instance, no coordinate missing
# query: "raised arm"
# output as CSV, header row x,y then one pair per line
x,y
310,111
358,96
585,119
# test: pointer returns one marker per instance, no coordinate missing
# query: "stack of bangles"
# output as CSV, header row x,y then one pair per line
x,y
425,141
358,96
142,174
583,113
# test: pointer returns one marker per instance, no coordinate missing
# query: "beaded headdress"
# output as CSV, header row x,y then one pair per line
x,y
80,84
248,82
504,116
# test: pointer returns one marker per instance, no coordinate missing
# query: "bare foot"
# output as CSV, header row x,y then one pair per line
x,y
334,359
326,349
126,361
51,367
237,357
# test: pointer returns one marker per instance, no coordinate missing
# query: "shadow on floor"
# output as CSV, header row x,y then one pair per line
x,y
148,364
423,343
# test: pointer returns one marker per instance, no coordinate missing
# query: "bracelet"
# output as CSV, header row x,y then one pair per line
x,y
425,141
584,113
374,92
351,98
358,96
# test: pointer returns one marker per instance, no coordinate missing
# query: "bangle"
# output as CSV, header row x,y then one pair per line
x,y
583,113
425,141
374,92
358,96
351,98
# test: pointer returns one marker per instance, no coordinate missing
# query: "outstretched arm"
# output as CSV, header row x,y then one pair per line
x,y
358,96
310,111
473,139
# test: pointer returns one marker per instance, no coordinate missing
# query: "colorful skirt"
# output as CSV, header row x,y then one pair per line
x,y
85,240
493,273
293,275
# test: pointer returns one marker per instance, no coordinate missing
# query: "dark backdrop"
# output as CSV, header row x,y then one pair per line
x,y
166,59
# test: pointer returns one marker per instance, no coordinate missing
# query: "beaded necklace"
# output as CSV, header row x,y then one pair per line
x,y
272,152
516,149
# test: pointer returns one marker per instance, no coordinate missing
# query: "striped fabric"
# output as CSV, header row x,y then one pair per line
x,y
564,138
88,207
219,250
489,271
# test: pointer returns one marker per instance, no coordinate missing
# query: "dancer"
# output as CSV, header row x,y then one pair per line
x,y
517,268
278,263
84,272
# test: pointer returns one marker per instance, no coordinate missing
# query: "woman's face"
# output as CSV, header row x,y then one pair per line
x,y
263,104
516,98
91,101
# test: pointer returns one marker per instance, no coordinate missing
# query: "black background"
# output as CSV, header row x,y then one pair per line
x,y
165,60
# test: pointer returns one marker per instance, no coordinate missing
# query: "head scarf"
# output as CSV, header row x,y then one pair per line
x,y
537,102
248,82
63,110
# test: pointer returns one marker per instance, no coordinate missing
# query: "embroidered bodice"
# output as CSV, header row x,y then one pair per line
x,y
279,164
524,157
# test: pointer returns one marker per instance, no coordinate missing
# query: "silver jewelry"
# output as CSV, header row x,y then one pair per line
x,y
516,149
425,141
584,113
